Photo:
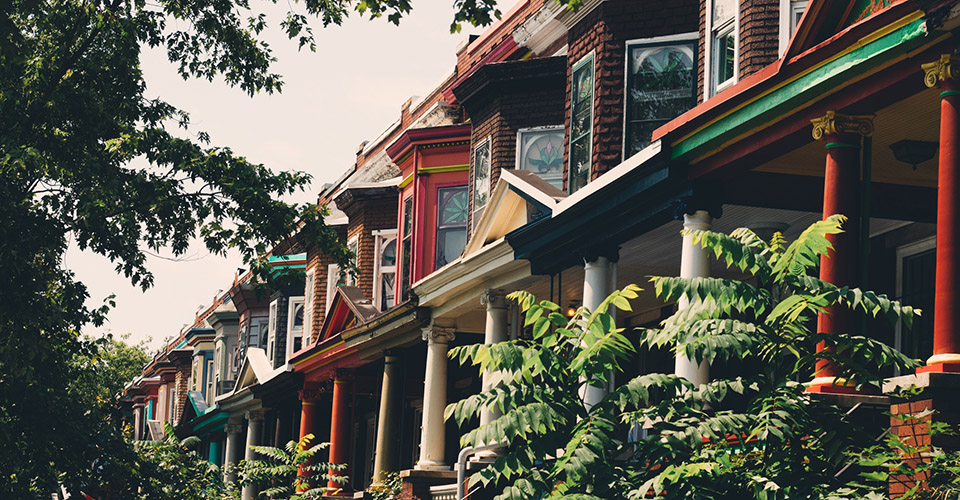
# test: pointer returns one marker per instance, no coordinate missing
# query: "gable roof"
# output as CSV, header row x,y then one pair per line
x,y
348,308
255,369
519,197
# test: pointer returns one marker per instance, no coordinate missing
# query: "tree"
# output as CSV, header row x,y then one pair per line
x,y
278,474
754,433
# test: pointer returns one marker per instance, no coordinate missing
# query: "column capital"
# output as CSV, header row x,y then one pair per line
x,y
342,375
256,415
496,299
234,429
945,68
833,123
310,394
439,335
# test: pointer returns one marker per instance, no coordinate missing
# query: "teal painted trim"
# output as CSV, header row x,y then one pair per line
x,y
181,344
214,455
150,409
797,94
284,258
214,423
831,145
948,93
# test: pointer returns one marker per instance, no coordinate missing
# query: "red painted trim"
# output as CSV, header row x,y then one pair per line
x,y
506,48
946,320
340,418
412,137
497,26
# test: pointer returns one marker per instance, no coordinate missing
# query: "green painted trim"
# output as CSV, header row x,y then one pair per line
x,y
831,145
443,169
797,94
947,93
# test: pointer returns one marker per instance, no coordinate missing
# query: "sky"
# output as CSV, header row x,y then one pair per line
x,y
348,91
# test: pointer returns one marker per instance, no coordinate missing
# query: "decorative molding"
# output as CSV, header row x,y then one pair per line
x,y
439,335
837,123
495,299
256,415
945,68
234,428
443,169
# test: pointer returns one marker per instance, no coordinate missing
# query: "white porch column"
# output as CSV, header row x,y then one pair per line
x,y
694,263
495,331
254,423
596,287
433,432
231,453
385,456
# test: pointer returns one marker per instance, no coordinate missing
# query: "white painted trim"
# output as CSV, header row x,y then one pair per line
x,y
291,308
679,37
380,236
612,175
710,89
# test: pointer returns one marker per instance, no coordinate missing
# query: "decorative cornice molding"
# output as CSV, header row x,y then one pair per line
x,y
837,123
494,298
945,68
439,335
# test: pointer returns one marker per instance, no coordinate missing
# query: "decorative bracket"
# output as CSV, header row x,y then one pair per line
x,y
945,68
834,123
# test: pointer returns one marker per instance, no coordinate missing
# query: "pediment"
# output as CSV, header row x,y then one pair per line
x,y
349,308
256,368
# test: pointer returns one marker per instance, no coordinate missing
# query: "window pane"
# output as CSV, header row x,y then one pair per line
x,y
541,153
407,216
581,124
481,175
450,244
726,52
388,256
388,287
661,87
406,269
453,206
298,315
451,224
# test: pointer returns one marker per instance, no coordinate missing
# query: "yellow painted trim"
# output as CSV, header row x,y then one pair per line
x,y
306,403
304,360
406,181
808,104
443,169
339,381
863,41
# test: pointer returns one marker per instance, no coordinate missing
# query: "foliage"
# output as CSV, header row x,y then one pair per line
x,y
753,433
102,376
277,474
389,489
171,469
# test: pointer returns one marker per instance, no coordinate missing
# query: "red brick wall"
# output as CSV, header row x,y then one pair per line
x,y
914,431
605,31
759,35
367,216
319,262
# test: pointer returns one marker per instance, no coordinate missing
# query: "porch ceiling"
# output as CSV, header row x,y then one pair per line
x,y
916,117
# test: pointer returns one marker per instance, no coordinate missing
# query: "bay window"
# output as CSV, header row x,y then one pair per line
x,y
451,224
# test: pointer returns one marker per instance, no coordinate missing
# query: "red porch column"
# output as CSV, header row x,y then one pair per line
x,y
309,397
946,320
340,426
841,195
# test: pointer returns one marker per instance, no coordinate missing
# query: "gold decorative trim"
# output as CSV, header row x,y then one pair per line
x,y
406,181
947,67
838,123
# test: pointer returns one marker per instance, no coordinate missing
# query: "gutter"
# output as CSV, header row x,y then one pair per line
x,y
462,465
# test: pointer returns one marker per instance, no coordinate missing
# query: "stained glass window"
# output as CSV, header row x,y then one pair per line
x,y
540,151
481,177
581,124
661,85
451,224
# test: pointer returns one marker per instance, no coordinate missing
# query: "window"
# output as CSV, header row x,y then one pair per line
x,y
790,13
272,330
354,246
451,224
481,177
916,275
333,281
581,123
311,284
385,269
539,151
723,44
171,403
661,85
295,312
406,266
208,394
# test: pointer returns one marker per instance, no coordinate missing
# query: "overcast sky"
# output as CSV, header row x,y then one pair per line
x,y
346,92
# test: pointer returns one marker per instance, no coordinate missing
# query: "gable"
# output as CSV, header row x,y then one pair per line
x,y
348,309
256,368
822,20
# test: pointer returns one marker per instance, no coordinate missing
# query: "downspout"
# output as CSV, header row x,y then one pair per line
x,y
462,465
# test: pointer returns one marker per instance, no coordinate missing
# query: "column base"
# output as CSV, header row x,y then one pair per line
x,y
431,465
942,363
832,385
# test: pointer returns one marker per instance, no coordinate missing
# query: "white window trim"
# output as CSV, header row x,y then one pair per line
x,y
379,237
710,87
477,212
309,297
788,8
210,385
333,274
291,307
692,36
351,279
593,105
904,251
272,325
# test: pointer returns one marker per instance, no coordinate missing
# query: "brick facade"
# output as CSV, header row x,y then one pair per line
x,y
759,35
605,32
373,212
318,262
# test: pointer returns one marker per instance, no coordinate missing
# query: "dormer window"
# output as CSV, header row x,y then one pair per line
x,y
723,45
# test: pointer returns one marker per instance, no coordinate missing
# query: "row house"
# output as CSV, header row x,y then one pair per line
x,y
563,155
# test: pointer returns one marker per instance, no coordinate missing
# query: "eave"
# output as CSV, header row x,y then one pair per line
x,y
431,135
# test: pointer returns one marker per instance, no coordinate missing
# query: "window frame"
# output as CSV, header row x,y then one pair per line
x,y
903,252
405,239
437,228
675,39
518,163
711,86
333,280
272,328
788,12
309,297
380,237
591,59
353,244
476,212
209,386
292,303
